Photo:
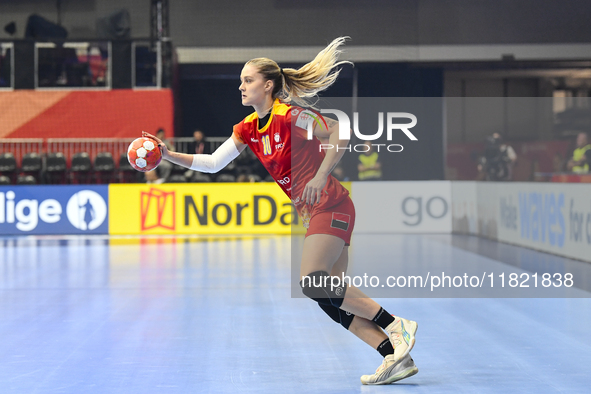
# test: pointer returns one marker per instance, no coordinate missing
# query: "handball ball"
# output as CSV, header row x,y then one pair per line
x,y
144,154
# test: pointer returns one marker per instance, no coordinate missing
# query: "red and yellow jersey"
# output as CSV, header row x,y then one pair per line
x,y
291,159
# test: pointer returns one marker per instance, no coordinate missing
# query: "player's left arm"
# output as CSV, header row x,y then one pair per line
x,y
313,190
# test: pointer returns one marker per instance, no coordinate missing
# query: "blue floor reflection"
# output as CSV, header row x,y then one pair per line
x,y
215,315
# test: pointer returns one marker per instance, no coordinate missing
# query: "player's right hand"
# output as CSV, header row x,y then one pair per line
x,y
161,144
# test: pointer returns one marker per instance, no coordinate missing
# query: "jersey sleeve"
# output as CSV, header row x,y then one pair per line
x,y
239,132
302,117
296,124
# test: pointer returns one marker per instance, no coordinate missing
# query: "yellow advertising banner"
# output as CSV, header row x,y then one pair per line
x,y
206,208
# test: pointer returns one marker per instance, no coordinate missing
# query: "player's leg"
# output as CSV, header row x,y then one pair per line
x,y
364,329
321,252
390,370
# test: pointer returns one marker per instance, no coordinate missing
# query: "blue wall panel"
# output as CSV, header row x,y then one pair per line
x,y
48,209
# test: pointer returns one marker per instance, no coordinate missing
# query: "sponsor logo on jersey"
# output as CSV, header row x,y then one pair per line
x,y
279,144
295,112
254,140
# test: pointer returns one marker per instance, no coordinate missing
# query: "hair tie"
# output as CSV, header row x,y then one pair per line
x,y
281,71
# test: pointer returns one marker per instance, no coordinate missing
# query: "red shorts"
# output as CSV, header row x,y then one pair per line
x,y
337,220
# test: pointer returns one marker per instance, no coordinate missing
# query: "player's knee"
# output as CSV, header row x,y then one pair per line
x,y
320,287
313,287
338,315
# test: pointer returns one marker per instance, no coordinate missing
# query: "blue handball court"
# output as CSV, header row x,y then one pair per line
x,y
99,314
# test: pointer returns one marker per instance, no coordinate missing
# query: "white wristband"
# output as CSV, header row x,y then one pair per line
x,y
217,160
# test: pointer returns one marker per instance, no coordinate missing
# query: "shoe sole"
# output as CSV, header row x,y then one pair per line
x,y
407,373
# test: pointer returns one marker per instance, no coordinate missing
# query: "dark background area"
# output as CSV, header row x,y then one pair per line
x,y
228,23
210,101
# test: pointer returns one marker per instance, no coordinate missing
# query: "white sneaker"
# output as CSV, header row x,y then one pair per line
x,y
402,335
392,371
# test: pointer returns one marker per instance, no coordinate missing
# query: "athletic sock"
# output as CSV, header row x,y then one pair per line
x,y
383,318
385,348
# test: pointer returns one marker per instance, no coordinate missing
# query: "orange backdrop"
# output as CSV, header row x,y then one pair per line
x,y
115,113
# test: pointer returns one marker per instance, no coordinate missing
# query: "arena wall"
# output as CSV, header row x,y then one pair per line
x,y
553,218
229,23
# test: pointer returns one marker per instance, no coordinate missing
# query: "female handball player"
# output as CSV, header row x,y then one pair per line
x,y
277,134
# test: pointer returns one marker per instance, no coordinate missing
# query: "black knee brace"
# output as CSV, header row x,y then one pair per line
x,y
338,315
319,286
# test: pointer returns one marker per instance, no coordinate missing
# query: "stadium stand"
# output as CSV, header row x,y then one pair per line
x,y
104,167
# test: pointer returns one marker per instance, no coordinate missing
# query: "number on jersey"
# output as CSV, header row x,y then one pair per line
x,y
266,145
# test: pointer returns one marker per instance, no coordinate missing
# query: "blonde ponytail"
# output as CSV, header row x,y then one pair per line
x,y
296,86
